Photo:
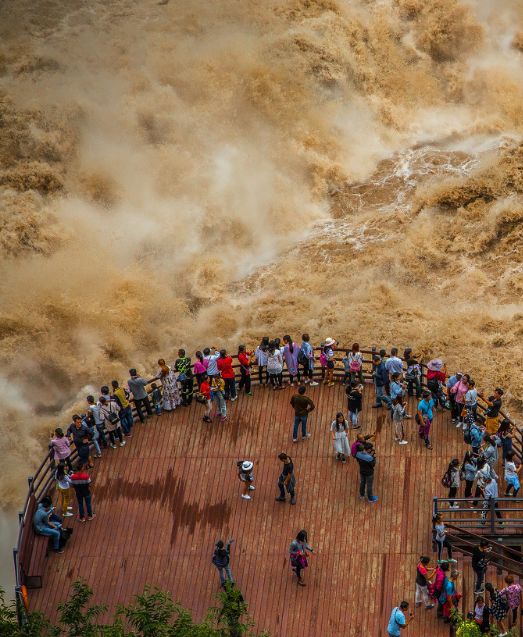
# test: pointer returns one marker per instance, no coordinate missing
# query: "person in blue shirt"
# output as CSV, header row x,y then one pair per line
x,y
45,523
381,379
398,621
424,416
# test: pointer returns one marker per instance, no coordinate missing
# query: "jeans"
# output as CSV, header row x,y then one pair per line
x,y
366,481
95,438
81,499
52,533
353,415
227,570
245,381
220,400
158,408
230,388
139,403
480,578
307,370
101,434
381,397
126,419
297,421
261,370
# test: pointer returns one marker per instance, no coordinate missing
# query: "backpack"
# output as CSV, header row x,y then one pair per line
x,y
467,438
446,481
355,365
303,359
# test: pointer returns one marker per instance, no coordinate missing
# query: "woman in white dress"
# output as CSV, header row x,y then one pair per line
x,y
170,393
339,428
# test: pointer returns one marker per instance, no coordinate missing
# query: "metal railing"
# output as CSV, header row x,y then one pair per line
x,y
478,513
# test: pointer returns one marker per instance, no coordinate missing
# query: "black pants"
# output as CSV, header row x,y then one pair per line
x,y
468,488
276,380
281,487
117,433
230,388
261,369
452,494
199,379
245,381
440,546
187,391
480,578
307,371
102,440
139,403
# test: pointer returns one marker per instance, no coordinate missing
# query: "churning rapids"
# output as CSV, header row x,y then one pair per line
x,y
179,172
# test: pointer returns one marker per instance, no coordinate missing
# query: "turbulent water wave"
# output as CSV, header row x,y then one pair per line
x,y
178,172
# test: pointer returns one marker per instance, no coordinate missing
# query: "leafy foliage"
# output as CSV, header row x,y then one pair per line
x,y
151,614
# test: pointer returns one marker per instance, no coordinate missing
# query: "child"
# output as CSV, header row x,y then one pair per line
x,y
398,416
328,358
246,476
481,614
205,389
354,398
511,475
346,367
156,395
218,395
84,452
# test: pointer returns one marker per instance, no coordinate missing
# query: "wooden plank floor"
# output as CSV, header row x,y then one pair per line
x,y
164,500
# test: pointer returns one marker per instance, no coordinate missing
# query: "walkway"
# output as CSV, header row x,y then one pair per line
x,y
164,499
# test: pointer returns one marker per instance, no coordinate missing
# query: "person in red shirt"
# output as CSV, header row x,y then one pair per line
x,y
205,389
227,373
245,369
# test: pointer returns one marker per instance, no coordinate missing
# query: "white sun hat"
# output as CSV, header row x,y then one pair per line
x,y
247,465
329,341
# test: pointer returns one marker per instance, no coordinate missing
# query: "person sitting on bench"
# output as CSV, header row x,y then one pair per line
x,y
46,523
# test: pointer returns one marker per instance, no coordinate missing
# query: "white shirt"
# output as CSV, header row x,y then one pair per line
x,y
510,470
491,489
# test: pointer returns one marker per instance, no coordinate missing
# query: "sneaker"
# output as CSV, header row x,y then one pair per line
x,y
308,435
80,519
343,461
58,551
396,439
330,385
123,443
246,497
98,455
452,560
223,419
361,497
458,426
454,506
278,499
90,517
429,606
249,393
454,420
69,508
293,500
68,514
113,446
252,487
374,498
313,383
295,440
233,399
300,583
403,442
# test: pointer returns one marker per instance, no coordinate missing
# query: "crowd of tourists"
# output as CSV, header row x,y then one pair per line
x,y
211,378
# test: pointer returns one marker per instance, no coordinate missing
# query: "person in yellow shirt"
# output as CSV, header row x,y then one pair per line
x,y
125,410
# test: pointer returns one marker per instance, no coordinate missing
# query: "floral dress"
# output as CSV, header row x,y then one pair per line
x,y
171,394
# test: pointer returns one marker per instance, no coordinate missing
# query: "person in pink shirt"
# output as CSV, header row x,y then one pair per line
x,y
459,390
61,448
200,368
512,593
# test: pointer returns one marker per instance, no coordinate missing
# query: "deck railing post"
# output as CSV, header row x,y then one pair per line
x,y
434,507
492,508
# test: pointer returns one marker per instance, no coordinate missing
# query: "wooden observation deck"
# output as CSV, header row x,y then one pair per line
x,y
163,500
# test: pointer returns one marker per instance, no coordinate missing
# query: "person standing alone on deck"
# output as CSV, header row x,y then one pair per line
x,y
366,458
298,550
287,480
303,406
221,559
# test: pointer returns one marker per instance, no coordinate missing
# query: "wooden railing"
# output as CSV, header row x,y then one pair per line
x,y
41,481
